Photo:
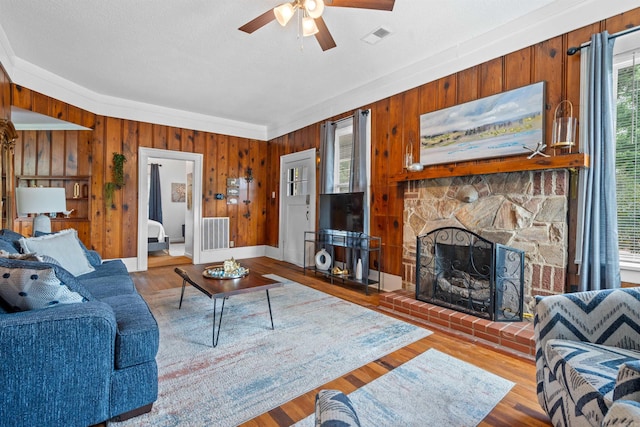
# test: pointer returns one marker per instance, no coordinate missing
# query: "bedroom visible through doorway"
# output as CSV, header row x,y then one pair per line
x,y
168,210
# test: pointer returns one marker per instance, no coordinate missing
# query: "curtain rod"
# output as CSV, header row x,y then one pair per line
x,y
574,50
365,112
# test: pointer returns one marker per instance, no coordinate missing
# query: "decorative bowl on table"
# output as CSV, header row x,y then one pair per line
x,y
231,269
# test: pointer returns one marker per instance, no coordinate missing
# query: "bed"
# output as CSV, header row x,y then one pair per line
x,y
157,238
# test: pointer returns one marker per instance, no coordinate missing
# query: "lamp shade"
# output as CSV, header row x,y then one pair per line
x,y
40,200
314,8
283,13
309,26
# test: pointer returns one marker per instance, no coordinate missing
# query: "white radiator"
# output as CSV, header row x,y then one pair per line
x,y
215,233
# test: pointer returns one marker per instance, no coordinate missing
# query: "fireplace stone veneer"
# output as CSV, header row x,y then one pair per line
x,y
523,210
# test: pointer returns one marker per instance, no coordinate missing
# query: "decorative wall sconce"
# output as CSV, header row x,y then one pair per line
x,y
564,128
248,177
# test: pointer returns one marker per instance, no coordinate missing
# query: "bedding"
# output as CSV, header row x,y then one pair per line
x,y
157,238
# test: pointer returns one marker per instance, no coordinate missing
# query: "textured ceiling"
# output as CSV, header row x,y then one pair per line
x,y
186,63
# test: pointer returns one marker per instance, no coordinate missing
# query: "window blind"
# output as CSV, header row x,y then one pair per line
x,y
627,156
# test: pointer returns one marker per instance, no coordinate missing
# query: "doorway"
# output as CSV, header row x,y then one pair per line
x,y
193,190
297,203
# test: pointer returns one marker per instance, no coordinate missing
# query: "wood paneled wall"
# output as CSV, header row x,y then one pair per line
x,y
395,123
114,228
395,120
5,94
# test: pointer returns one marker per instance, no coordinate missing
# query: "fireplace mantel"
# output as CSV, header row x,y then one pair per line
x,y
564,161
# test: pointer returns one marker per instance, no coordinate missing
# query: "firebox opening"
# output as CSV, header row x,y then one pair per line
x,y
460,270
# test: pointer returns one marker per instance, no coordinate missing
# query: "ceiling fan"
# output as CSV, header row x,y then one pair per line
x,y
312,22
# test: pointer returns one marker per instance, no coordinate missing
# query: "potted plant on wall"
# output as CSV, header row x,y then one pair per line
x,y
117,173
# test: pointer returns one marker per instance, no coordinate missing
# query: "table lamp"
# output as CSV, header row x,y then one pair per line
x,y
40,200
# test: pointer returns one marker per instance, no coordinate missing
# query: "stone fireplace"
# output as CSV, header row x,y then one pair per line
x,y
524,210
460,270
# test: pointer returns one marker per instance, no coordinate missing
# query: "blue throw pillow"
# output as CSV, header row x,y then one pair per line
x,y
9,240
8,246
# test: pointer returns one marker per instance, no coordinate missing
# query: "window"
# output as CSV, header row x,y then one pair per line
x,y
627,93
342,159
297,181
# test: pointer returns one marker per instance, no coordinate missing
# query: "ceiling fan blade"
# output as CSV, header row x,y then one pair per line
x,y
323,35
362,4
259,22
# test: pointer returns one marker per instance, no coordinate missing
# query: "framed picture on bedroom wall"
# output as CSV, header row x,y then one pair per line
x,y
178,192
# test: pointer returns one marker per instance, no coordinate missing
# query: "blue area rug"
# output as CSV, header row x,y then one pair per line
x,y
433,389
254,369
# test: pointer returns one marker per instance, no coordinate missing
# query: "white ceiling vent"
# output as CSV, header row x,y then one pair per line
x,y
376,35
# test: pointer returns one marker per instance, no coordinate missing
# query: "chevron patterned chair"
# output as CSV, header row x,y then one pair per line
x,y
588,357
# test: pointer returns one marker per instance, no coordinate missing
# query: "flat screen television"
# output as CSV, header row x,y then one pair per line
x,y
342,211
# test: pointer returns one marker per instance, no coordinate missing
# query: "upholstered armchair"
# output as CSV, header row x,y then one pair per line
x,y
588,357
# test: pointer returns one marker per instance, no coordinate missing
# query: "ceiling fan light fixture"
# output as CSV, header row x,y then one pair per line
x,y
284,13
314,8
309,26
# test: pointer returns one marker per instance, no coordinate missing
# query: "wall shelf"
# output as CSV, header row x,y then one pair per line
x,y
519,164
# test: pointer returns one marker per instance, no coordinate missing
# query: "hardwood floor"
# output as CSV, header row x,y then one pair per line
x,y
518,408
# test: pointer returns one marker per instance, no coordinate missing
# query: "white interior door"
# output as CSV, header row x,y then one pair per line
x,y
297,203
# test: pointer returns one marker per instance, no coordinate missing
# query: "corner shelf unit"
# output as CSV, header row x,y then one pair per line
x,y
344,249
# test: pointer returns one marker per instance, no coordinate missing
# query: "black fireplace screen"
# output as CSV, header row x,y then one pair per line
x,y
458,269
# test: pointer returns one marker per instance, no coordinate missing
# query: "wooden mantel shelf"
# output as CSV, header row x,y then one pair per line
x,y
519,164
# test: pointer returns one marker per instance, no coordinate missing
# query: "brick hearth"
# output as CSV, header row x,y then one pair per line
x,y
513,337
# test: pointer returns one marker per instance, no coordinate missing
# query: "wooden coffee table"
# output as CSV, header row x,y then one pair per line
x,y
223,289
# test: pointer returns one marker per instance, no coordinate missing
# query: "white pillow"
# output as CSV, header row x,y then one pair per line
x,y
28,289
63,247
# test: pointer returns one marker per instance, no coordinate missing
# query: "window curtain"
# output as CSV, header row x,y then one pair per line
x,y
327,156
155,197
358,177
600,263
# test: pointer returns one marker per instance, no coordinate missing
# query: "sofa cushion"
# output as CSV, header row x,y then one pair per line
x,y
29,288
106,269
103,287
62,246
108,279
137,336
588,373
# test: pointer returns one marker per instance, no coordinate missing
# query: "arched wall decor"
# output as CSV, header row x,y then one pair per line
x,y
8,136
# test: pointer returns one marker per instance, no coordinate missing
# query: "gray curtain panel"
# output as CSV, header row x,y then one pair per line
x,y
327,156
600,266
358,179
155,196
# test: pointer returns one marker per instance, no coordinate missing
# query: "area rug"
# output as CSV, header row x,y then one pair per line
x,y
254,369
432,389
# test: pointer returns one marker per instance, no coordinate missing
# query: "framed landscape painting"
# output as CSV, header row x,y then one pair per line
x,y
496,126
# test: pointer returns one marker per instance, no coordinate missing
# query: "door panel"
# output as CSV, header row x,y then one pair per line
x,y
297,203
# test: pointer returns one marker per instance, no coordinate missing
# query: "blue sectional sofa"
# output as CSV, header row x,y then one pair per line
x,y
78,363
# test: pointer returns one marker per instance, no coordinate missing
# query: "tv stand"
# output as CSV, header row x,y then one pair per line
x,y
344,249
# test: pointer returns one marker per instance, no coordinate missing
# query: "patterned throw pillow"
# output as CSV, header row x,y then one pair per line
x,y
32,288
